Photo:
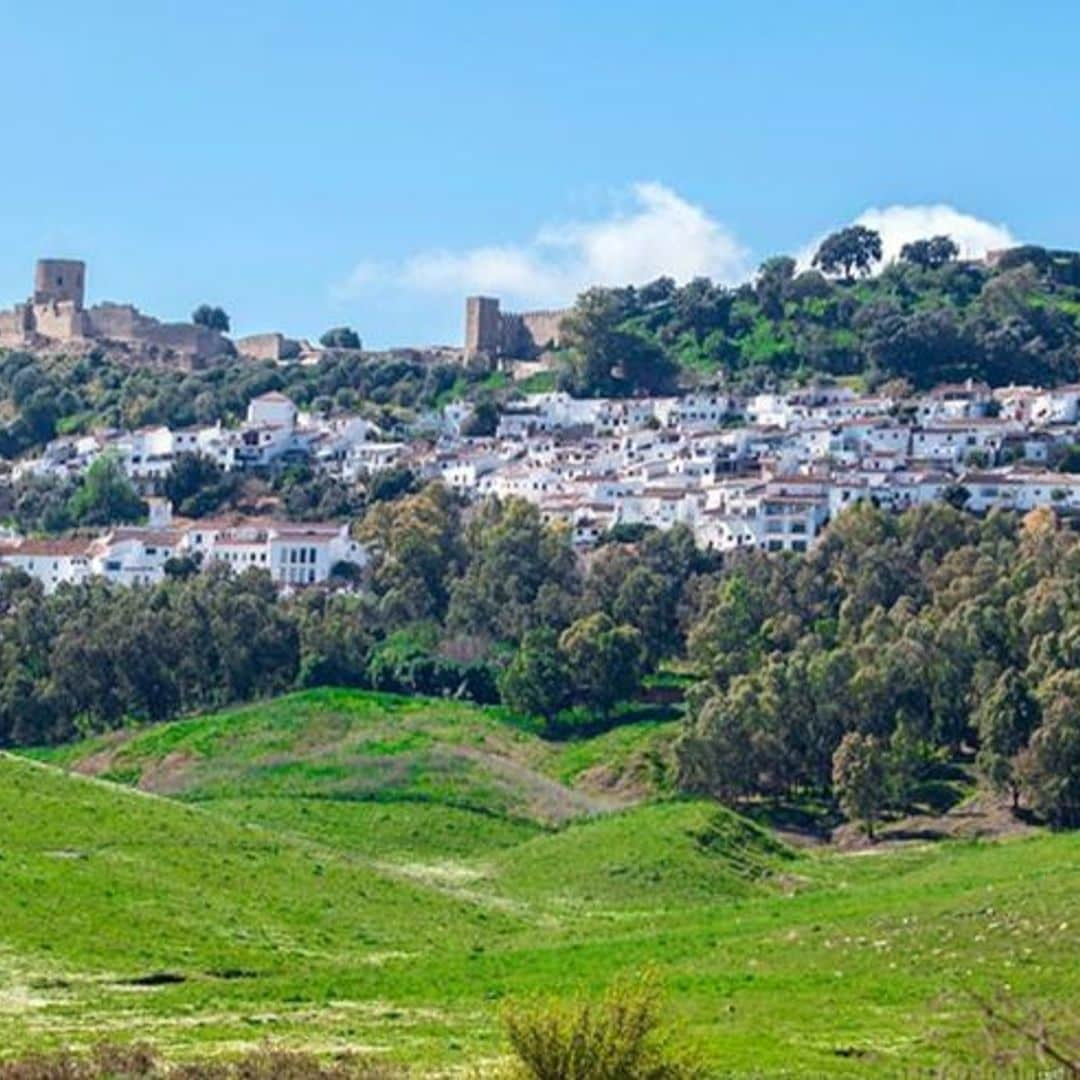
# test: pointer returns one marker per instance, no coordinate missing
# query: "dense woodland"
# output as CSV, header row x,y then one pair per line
x,y
845,673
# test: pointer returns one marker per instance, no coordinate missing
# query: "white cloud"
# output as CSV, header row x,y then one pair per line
x,y
653,232
362,275
898,225
659,233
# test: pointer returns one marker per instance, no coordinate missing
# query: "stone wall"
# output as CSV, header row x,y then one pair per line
x,y
274,346
125,323
118,322
496,334
60,320
544,328
13,326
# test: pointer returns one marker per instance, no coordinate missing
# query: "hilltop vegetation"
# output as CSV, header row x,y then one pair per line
x,y
926,319
296,883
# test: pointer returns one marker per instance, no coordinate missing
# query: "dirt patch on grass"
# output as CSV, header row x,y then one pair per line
x,y
544,798
102,760
985,816
169,776
626,786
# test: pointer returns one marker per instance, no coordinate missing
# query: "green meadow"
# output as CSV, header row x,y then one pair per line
x,y
338,869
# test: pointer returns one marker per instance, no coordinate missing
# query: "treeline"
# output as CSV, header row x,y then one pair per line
x,y
927,318
897,642
457,605
848,672
60,394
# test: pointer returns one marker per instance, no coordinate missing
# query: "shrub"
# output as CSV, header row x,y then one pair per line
x,y
621,1037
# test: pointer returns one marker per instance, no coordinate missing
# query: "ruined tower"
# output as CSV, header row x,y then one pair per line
x,y
483,327
60,281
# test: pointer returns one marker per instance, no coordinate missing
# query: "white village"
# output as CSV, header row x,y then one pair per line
x,y
767,471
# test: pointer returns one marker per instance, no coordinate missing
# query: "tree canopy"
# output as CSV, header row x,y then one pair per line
x,y
850,250
213,318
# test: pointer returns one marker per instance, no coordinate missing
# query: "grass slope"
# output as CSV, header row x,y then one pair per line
x,y
379,774
393,910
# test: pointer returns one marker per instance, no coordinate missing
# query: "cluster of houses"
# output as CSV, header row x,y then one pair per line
x,y
771,470
274,432
294,554
767,472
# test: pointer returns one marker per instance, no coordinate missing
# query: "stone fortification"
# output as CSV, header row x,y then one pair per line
x,y
493,334
55,317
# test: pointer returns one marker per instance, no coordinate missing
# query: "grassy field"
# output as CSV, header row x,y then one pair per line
x,y
341,869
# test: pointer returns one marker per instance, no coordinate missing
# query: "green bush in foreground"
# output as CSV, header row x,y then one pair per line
x,y
621,1037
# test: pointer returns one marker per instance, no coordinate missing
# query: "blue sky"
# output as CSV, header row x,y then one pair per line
x,y
307,165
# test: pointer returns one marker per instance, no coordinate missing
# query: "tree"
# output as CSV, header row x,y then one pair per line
x,y
860,778
606,358
716,755
646,601
213,318
190,475
535,682
106,496
483,421
418,552
603,661
855,248
521,573
956,495
1049,767
340,337
774,278
1005,720
930,254
387,484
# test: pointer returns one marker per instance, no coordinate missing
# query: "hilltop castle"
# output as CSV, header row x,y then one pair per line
x,y
55,316
496,335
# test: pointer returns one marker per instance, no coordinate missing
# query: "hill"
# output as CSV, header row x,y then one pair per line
x,y
375,771
924,320
272,895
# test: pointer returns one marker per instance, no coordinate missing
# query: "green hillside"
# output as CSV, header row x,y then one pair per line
x,y
311,877
372,772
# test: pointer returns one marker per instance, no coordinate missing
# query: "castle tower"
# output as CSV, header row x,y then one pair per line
x,y
483,327
60,280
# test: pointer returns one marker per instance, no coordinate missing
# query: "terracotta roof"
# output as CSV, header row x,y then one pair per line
x,y
61,548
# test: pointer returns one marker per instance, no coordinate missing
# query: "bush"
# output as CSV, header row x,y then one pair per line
x,y
621,1037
